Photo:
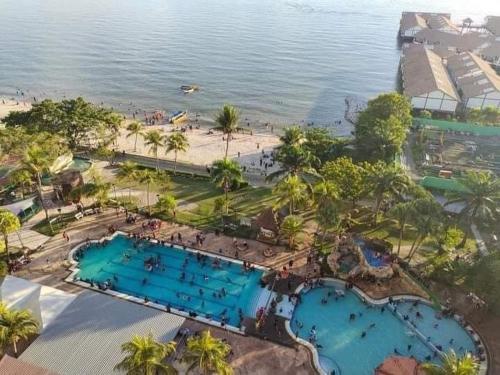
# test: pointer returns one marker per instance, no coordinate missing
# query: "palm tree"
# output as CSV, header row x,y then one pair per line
x,y
453,365
135,129
291,227
8,223
227,121
292,191
127,171
226,173
293,136
327,216
16,325
401,213
207,353
177,142
154,139
21,178
325,191
427,220
295,160
167,203
37,162
386,180
480,198
145,356
149,178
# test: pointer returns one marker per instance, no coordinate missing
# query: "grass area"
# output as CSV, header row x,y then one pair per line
x,y
196,198
44,227
202,194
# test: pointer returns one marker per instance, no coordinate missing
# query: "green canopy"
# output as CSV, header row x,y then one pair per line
x,y
480,130
444,184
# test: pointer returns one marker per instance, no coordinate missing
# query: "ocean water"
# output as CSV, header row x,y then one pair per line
x,y
278,60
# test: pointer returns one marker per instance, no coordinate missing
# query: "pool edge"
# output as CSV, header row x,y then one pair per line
x,y
75,269
483,365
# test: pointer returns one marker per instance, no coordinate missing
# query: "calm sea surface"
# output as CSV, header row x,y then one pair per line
x,y
279,60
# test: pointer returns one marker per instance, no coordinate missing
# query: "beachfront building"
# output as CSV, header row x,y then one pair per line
x,y
476,81
425,80
485,45
492,24
412,23
443,23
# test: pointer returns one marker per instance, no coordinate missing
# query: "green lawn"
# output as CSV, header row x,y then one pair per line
x,y
44,227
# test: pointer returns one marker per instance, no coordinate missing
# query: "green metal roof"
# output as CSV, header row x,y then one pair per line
x,y
480,130
445,184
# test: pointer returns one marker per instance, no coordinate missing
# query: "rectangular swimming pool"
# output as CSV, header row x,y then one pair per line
x,y
185,280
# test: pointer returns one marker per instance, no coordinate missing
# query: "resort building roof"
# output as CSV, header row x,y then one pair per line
x,y
411,20
86,337
461,42
493,24
442,22
44,302
424,72
472,75
13,366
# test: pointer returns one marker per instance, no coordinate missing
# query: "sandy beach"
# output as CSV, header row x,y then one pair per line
x,y
8,105
204,148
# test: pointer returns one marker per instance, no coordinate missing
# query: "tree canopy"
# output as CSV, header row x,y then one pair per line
x,y
381,128
76,120
347,176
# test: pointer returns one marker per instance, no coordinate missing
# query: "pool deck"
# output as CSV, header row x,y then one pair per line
x,y
50,267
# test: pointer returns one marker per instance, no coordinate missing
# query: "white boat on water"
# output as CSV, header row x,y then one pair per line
x,y
188,89
179,116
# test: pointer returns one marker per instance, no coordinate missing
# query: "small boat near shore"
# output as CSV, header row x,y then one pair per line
x,y
188,89
178,117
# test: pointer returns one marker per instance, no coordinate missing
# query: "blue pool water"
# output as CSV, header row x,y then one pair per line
x,y
200,291
343,349
373,257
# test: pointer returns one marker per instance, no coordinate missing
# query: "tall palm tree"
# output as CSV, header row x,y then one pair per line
x,y
167,203
226,173
325,191
293,136
453,365
176,142
292,191
401,212
127,171
291,227
149,178
427,219
227,121
9,223
16,325
208,354
295,160
386,180
327,216
135,129
154,140
145,356
480,199
21,178
37,162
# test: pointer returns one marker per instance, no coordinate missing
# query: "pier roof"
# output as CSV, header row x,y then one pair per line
x,y
473,75
424,72
493,24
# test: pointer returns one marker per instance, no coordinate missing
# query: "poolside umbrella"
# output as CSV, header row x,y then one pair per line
x,y
396,365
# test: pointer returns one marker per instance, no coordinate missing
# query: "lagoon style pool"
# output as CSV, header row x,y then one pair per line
x,y
353,337
185,280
